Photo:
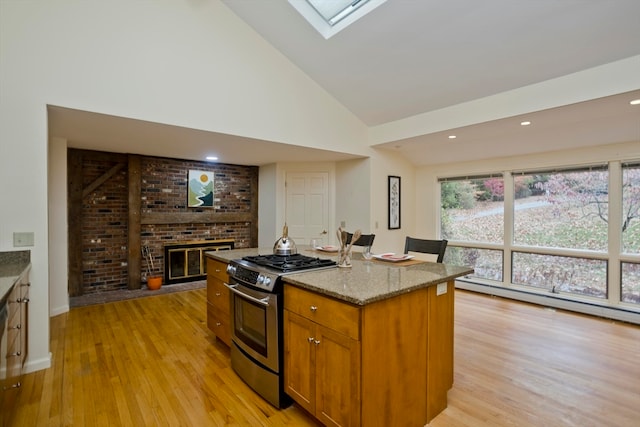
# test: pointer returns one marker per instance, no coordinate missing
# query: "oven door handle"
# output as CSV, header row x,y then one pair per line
x,y
262,301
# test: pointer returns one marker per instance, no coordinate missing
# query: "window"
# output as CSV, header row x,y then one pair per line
x,y
631,208
329,17
581,276
559,241
487,263
630,282
565,209
473,209
473,212
333,11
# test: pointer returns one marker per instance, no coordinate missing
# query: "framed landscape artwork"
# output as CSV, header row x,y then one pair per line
x,y
200,189
394,202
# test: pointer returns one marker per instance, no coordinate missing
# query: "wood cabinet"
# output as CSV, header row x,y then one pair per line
x,y
387,363
218,300
14,347
322,356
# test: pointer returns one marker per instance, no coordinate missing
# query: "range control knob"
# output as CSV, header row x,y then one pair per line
x,y
231,270
266,281
260,279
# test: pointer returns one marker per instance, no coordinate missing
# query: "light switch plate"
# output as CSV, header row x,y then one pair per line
x,y
22,239
441,289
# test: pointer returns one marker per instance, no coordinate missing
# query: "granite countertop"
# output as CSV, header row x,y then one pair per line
x,y
12,266
365,281
226,256
369,281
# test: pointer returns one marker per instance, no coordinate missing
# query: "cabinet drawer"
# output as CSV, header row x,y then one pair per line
x,y
217,269
218,295
219,324
336,315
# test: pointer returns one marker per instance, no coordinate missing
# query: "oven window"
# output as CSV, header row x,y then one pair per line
x,y
251,324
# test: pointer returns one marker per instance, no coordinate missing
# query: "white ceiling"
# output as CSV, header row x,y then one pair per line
x,y
409,57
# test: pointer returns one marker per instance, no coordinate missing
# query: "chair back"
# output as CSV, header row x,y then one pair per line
x,y
364,240
435,247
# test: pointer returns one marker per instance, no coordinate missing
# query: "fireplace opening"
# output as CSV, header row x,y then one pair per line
x,y
185,262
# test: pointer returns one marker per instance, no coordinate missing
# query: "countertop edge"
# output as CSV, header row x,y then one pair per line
x,y
290,280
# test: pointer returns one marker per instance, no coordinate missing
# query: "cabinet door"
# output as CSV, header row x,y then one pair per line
x,y
299,360
218,301
219,323
338,378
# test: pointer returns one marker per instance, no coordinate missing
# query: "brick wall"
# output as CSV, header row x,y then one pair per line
x,y
164,190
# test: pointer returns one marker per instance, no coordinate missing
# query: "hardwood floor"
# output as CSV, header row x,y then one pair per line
x,y
153,362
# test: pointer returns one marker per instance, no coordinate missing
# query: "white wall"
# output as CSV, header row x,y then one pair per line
x,y
187,63
267,191
58,235
353,195
383,164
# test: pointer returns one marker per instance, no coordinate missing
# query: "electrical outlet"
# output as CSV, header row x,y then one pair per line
x,y
441,289
22,239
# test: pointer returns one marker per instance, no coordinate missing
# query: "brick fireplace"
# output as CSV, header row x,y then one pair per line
x,y
120,203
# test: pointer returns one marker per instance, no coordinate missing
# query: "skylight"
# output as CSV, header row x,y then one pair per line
x,y
329,17
334,11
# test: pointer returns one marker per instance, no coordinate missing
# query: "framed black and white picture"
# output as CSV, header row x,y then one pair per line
x,y
394,202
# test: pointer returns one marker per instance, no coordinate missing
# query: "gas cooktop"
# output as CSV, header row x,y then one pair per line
x,y
289,263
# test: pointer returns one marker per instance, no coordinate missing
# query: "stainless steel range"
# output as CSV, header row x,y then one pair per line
x,y
256,318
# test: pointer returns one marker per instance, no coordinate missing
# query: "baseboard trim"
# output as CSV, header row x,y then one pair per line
x,y
59,310
38,364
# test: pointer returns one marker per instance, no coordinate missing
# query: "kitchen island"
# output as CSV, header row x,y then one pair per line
x,y
370,345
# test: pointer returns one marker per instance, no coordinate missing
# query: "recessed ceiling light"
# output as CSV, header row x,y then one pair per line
x,y
452,137
212,158
635,102
525,123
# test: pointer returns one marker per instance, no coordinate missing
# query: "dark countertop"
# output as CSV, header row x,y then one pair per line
x,y
363,283
12,266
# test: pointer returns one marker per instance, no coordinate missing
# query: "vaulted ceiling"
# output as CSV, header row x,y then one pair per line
x,y
410,57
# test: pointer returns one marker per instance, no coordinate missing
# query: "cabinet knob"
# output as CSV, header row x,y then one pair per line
x,y
18,326
310,339
313,308
316,342
218,294
218,324
16,385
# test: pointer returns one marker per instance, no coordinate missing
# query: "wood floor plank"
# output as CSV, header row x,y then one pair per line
x,y
153,362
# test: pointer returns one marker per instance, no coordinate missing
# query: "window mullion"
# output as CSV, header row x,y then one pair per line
x,y
615,232
509,195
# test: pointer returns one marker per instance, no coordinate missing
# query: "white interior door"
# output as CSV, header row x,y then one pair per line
x,y
307,209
